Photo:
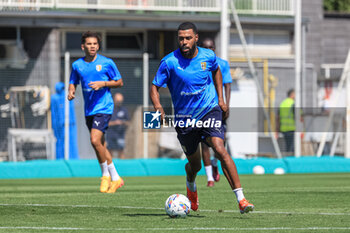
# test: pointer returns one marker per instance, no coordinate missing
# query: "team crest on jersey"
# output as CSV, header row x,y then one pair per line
x,y
203,65
98,67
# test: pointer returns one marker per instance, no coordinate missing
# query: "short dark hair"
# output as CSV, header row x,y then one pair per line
x,y
90,34
186,26
290,91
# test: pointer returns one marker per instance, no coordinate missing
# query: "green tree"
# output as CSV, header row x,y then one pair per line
x,y
337,5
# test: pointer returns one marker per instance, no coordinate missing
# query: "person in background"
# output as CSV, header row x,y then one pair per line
x,y
211,166
58,117
97,74
286,121
117,127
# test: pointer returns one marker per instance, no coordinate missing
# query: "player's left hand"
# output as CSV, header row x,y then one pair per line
x,y
227,114
224,109
97,85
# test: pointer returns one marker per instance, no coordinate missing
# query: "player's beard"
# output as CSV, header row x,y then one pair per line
x,y
190,52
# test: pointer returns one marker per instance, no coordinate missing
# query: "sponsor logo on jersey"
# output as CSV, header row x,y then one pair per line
x,y
203,65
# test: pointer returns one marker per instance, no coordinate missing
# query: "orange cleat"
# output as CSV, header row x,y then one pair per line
x,y
210,183
245,206
105,182
115,185
193,197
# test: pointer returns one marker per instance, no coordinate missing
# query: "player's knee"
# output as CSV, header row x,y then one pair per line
x,y
193,167
197,167
225,158
95,141
222,154
220,150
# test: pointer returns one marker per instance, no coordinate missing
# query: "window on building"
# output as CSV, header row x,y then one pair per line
x,y
73,40
114,44
262,44
124,41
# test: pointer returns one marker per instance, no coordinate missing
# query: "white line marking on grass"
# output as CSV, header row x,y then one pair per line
x,y
174,228
280,212
302,213
71,228
155,208
84,206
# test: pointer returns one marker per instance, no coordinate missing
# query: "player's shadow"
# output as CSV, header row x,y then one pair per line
x,y
160,215
141,215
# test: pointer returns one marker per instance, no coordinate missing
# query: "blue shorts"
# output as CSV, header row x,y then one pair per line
x,y
190,137
224,125
98,121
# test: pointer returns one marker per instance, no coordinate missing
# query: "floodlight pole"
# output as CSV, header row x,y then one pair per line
x,y
297,103
347,136
66,104
224,30
145,99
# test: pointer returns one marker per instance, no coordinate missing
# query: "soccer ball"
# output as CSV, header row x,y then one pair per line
x,y
279,171
177,205
259,170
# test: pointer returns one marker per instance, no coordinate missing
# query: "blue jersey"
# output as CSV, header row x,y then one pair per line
x,y
225,70
101,69
189,82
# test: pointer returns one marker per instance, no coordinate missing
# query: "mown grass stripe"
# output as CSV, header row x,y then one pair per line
x,y
154,208
175,228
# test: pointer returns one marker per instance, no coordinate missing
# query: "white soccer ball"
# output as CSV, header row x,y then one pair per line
x,y
258,170
177,205
279,171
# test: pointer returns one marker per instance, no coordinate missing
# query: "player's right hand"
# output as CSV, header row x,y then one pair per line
x,y
71,95
162,113
162,116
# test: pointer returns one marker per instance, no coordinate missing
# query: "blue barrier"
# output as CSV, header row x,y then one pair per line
x,y
163,167
323,164
84,168
245,166
35,169
91,168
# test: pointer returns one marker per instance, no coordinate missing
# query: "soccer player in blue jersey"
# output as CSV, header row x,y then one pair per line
x,y
211,166
97,74
186,72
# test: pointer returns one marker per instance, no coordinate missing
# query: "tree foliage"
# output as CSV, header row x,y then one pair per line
x,y
337,5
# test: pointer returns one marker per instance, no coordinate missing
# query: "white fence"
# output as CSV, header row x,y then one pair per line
x,y
256,7
25,4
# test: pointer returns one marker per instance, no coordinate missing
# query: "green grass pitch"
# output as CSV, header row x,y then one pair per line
x,y
284,203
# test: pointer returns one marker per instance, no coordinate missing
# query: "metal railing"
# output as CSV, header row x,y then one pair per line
x,y
265,7
26,4
332,70
255,7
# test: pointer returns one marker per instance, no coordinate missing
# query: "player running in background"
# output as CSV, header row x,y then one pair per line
x,y
211,167
97,74
186,72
